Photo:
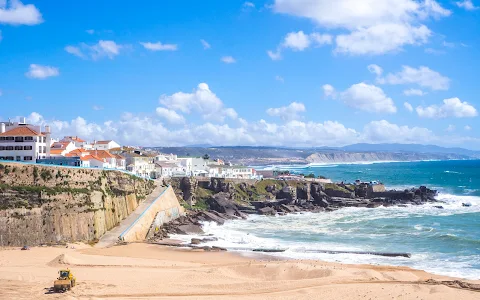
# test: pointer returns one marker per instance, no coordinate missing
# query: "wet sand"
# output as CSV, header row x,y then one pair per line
x,y
145,271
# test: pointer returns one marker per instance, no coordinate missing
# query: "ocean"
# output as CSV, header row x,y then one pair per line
x,y
441,241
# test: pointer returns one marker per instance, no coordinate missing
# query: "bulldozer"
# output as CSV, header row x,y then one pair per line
x,y
64,282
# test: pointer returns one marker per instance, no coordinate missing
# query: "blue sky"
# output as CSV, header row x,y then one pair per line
x,y
277,72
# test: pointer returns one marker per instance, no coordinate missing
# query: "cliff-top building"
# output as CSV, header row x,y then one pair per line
x,y
20,141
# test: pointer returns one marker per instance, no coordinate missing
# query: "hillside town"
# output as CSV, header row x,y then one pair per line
x,y
29,143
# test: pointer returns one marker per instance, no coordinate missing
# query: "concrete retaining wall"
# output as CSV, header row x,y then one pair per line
x,y
164,209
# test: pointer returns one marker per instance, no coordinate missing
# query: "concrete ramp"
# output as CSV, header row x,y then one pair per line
x,y
135,227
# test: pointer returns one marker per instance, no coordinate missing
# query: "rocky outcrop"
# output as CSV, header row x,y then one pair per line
x,y
188,187
48,205
288,193
224,203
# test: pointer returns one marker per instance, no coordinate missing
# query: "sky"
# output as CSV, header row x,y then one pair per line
x,y
295,73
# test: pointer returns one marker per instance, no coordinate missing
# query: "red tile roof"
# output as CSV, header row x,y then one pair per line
x,y
56,151
21,131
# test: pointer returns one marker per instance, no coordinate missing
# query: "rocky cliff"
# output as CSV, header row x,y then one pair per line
x,y
44,204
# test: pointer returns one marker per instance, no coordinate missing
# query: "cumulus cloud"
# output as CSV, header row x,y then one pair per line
x,y
279,78
373,26
422,76
228,60
414,92
375,69
408,106
170,115
205,44
287,113
467,128
131,129
368,98
381,38
452,107
466,4
97,107
41,72
328,91
158,46
299,41
14,12
450,128
202,100
103,48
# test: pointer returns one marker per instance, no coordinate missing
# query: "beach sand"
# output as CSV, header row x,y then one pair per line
x,y
146,271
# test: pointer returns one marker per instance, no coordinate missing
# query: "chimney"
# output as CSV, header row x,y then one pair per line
x,y
23,120
2,127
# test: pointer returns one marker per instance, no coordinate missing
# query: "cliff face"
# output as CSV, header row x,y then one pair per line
x,y
41,205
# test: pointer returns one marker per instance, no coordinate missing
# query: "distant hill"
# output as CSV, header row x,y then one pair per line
x,y
253,155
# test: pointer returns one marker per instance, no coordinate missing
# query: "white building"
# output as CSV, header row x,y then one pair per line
x,y
61,148
78,142
23,142
168,169
141,165
105,145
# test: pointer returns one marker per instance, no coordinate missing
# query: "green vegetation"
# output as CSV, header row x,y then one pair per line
x,y
39,189
333,186
46,175
202,196
35,173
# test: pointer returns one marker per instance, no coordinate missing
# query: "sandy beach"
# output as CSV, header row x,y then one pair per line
x,y
145,271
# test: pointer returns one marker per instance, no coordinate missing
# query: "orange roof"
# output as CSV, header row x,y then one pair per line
x,y
56,151
60,144
119,156
103,154
102,142
21,131
90,157
74,138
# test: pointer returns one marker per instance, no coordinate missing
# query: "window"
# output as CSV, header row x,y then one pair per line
x,y
29,138
2,138
9,148
19,139
28,148
18,148
10,138
2,148
27,158
18,158
44,139
9,158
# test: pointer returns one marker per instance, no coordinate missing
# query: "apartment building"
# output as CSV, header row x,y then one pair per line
x,y
20,141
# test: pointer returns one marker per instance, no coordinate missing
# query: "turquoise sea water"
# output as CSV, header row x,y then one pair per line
x,y
443,241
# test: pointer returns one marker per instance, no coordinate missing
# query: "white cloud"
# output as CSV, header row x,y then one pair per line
x,y
423,76
205,44
299,41
202,100
279,78
373,26
170,115
96,51
41,72
158,46
466,4
375,69
452,107
97,107
228,59
467,128
381,38
275,55
287,113
328,90
90,31
414,92
368,98
75,51
434,51
14,12
450,128
248,4
383,132
133,129
408,106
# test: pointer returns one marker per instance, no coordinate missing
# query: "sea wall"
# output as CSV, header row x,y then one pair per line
x,y
164,209
49,205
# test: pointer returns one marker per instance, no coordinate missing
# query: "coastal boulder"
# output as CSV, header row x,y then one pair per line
x,y
333,190
288,193
223,203
188,186
303,191
267,211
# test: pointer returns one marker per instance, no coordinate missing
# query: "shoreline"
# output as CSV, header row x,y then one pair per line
x,y
148,271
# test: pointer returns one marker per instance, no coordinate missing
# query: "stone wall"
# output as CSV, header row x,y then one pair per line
x,y
164,209
48,204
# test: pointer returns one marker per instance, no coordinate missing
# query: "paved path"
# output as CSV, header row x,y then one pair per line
x,y
111,237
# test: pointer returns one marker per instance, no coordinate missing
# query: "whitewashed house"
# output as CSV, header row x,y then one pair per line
x,y
20,141
61,148
78,142
104,145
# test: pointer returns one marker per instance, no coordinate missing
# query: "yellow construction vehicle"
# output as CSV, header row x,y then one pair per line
x,y
64,282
